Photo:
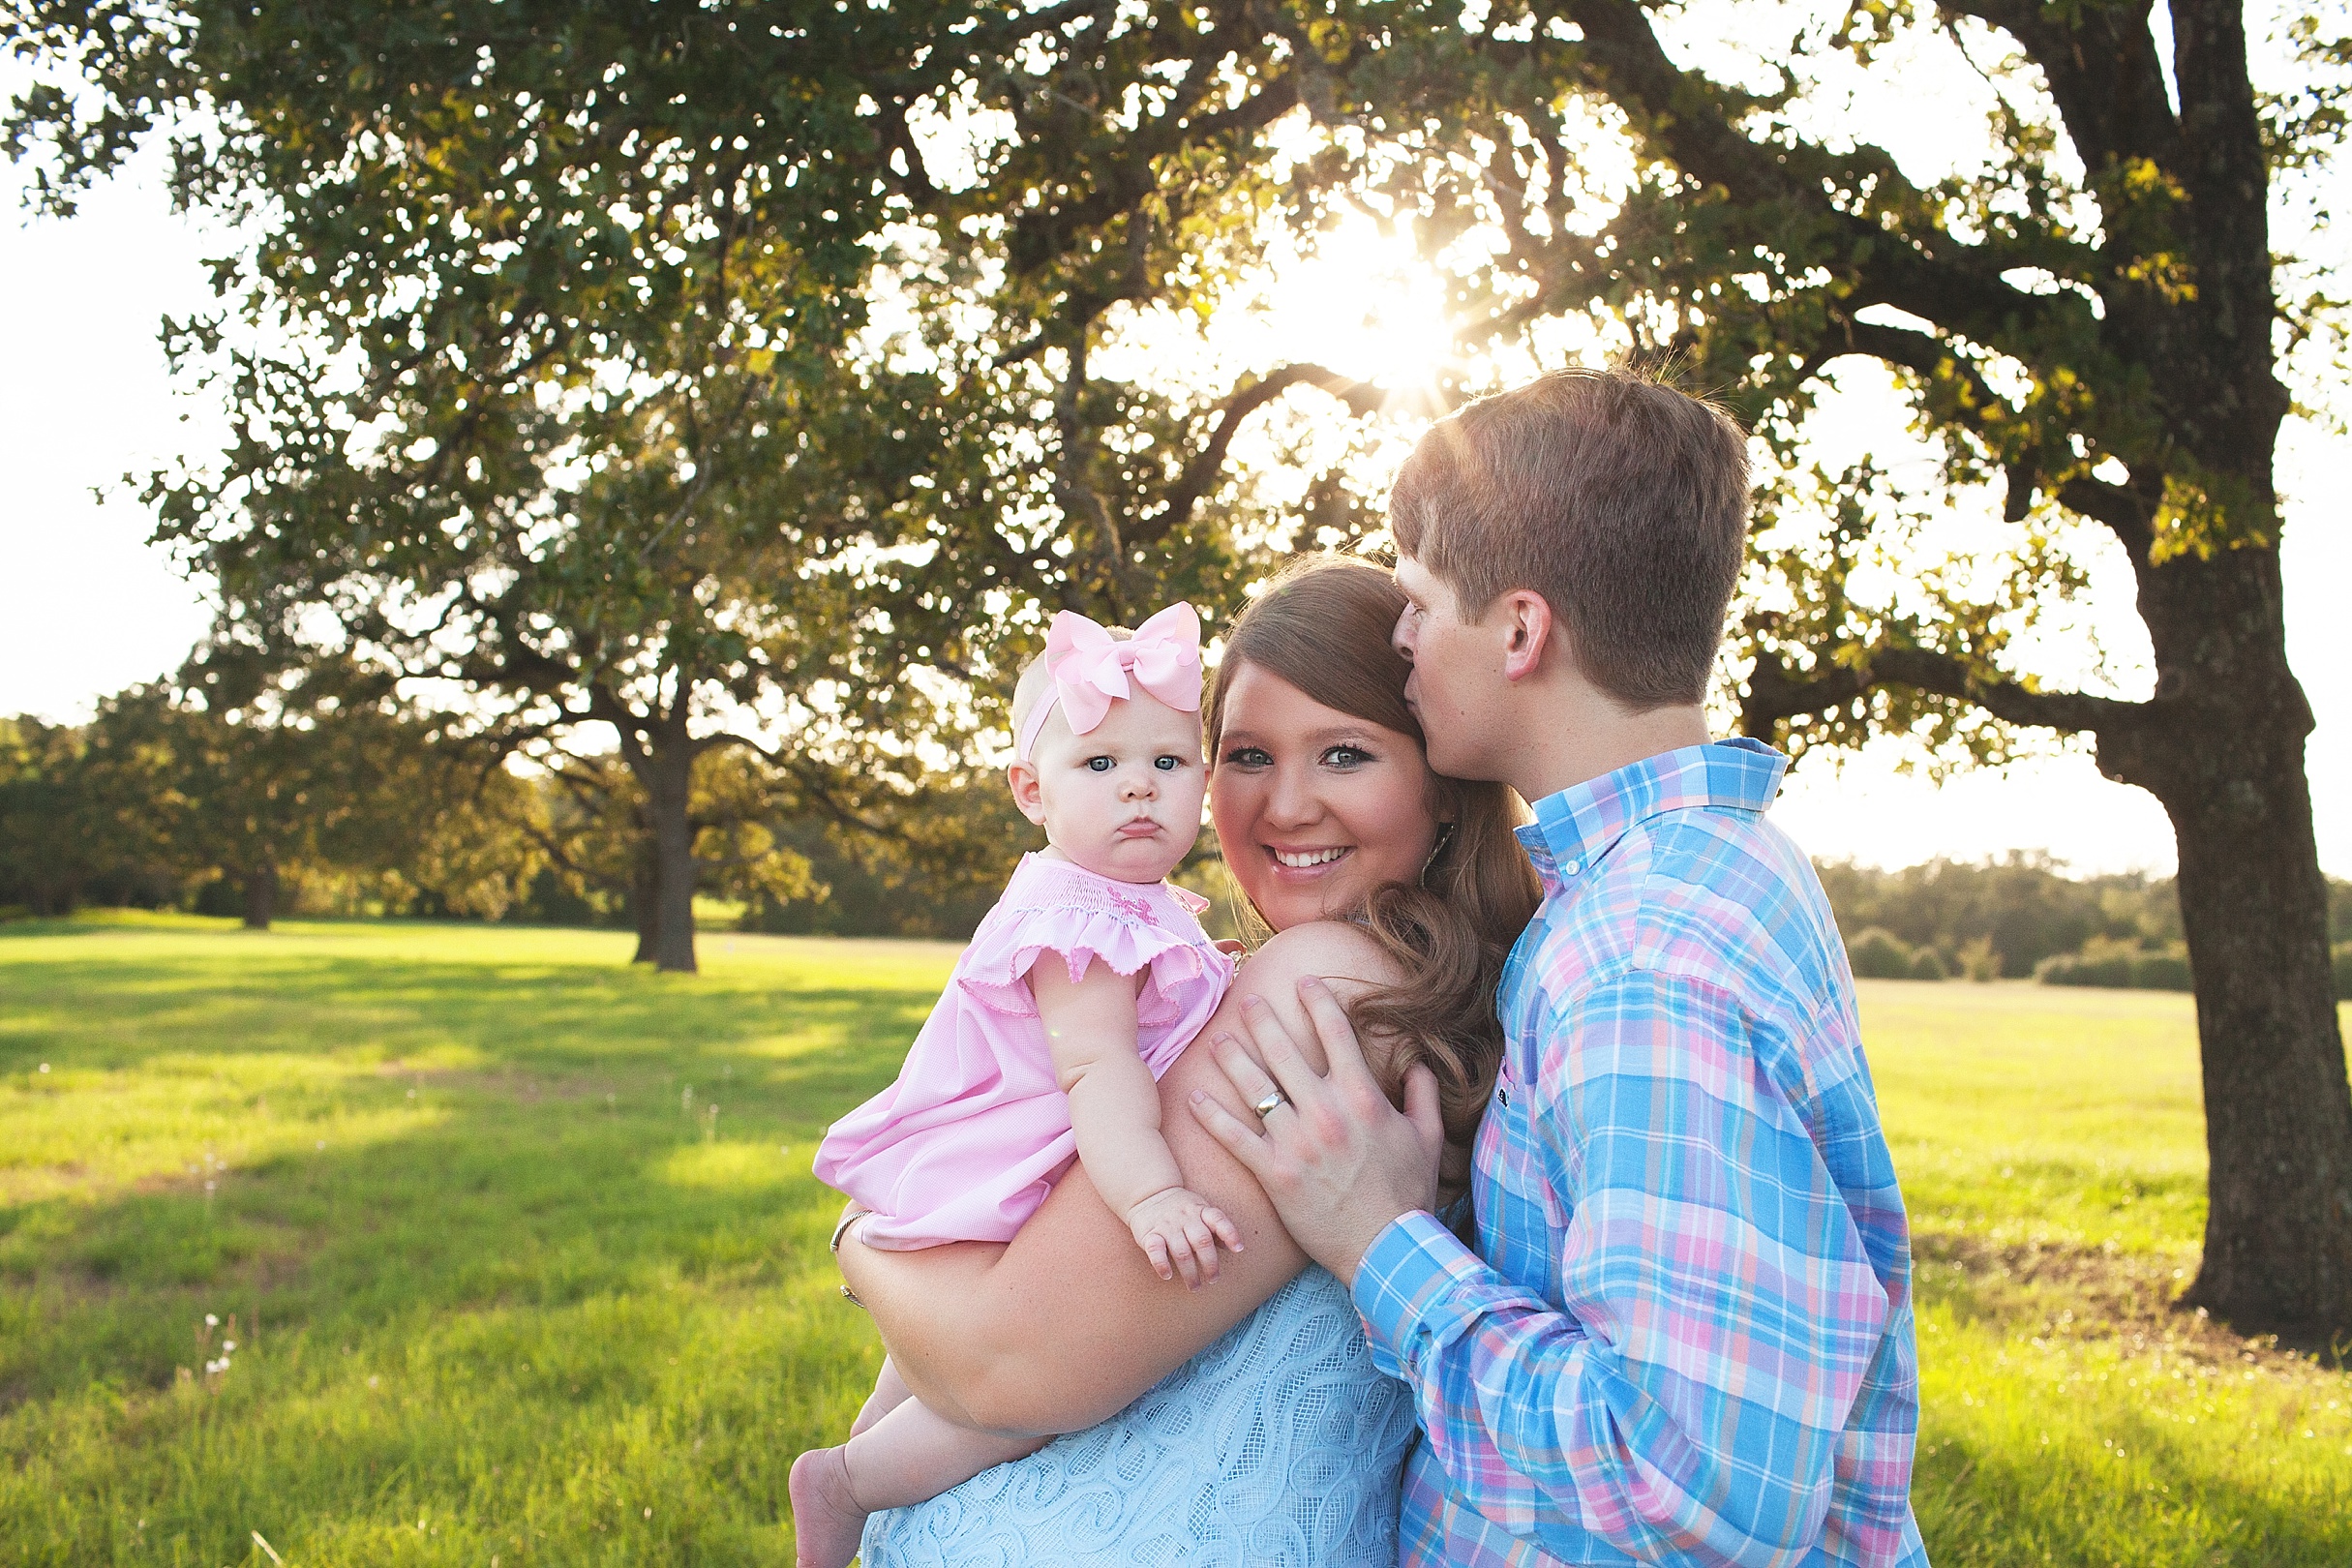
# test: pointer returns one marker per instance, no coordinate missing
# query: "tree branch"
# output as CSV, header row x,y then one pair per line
x,y
1200,474
1774,695
2124,510
1952,284
2102,66
1037,238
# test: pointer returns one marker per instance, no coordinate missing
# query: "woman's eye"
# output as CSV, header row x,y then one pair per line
x,y
1346,757
1098,765
1248,757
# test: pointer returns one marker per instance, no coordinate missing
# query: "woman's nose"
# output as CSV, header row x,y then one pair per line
x,y
1291,802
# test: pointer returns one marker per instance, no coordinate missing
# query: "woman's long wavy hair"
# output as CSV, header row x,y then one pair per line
x,y
1323,625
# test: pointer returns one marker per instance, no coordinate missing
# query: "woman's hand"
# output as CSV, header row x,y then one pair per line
x,y
1338,1160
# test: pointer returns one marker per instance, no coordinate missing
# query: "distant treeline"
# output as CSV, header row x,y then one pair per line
x,y
2022,916
344,803
163,801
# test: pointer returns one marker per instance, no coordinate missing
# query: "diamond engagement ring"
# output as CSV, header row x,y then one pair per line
x,y
1264,1103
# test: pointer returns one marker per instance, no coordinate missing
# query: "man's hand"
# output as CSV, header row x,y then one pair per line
x,y
1334,1156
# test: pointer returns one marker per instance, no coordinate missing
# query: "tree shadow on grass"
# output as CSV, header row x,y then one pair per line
x,y
115,1014
2061,1291
610,1132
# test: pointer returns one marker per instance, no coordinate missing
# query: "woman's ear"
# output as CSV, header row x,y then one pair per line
x,y
1028,790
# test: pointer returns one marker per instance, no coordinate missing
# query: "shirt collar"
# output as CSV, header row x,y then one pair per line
x,y
1581,825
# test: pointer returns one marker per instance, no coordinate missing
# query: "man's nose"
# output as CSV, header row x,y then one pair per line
x,y
1401,635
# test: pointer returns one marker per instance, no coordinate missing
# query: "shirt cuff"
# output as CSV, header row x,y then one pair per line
x,y
1412,1263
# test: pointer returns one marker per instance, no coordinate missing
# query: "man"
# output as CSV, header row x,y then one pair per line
x,y
1685,1335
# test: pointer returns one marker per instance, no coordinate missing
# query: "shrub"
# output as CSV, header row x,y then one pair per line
x,y
1927,964
2120,965
1981,960
2162,972
1879,954
2109,969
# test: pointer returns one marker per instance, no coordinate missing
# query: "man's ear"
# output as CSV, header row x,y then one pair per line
x,y
1528,628
1026,790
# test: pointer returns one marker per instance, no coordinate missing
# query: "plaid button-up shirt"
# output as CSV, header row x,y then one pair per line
x,y
1686,1334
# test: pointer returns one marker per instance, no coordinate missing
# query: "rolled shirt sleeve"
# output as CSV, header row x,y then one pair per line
x,y
1717,1313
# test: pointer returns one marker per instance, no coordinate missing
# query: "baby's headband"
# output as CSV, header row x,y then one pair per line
x,y
1090,669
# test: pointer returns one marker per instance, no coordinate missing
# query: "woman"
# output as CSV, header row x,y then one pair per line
x,y
1243,1421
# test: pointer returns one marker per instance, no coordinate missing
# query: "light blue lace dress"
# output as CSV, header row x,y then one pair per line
x,y
1279,1446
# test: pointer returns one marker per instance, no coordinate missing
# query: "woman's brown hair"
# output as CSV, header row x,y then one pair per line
x,y
1323,626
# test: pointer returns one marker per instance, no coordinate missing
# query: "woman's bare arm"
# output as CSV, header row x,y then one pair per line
x,y
1066,1324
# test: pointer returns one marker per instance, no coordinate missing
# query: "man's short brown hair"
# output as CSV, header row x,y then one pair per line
x,y
1619,499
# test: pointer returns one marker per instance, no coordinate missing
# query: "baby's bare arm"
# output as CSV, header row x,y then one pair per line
x,y
1114,1103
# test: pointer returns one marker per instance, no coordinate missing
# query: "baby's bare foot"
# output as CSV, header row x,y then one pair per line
x,y
826,1518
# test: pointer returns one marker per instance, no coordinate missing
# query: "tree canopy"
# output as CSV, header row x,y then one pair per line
x,y
716,375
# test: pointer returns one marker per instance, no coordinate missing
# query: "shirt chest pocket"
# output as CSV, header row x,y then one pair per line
x,y
1512,1193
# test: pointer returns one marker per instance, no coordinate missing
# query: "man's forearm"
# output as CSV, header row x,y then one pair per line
x,y
1533,1417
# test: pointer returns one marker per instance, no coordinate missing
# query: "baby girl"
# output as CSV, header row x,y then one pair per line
x,y
1085,982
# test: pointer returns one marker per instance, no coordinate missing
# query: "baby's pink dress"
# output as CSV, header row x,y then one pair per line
x,y
972,1136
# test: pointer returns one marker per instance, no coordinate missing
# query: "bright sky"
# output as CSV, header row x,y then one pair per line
x,y
87,606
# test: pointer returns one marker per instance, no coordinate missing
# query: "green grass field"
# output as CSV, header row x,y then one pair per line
x,y
524,1264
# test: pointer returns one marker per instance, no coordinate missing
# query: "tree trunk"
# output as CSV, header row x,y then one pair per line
x,y
2277,1106
659,750
261,895
2227,759
673,768
663,766
644,898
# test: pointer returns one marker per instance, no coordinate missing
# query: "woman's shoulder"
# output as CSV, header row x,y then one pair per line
x,y
1329,949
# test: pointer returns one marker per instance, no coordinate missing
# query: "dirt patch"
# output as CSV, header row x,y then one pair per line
x,y
2043,1290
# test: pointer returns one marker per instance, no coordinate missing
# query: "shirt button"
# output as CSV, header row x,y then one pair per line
x,y
1572,867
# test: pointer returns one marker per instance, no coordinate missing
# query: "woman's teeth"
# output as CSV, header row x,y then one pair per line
x,y
1301,860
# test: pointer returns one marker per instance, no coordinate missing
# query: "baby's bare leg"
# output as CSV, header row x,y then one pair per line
x,y
903,1454
911,1456
890,1391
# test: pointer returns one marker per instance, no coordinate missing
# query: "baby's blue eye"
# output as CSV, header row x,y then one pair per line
x,y
1100,765
1167,765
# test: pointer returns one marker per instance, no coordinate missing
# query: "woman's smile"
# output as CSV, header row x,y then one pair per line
x,y
1308,860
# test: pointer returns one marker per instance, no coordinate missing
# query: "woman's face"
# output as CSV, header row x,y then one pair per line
x,y
1313,807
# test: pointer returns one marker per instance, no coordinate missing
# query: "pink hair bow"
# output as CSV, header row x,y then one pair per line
x,y
1091,668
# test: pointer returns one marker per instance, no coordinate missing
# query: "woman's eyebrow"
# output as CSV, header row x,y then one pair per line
x,y
1332,735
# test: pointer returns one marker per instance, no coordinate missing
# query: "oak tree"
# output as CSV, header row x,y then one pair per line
x,y
535,357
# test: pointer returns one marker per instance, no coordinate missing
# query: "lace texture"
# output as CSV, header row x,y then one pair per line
x,y
1280,1446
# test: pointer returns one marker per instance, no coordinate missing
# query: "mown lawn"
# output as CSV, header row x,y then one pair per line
x,y
524,1264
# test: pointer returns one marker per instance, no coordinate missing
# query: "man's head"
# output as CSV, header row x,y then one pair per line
x,y
1591,523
